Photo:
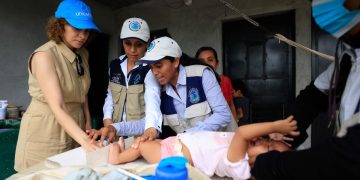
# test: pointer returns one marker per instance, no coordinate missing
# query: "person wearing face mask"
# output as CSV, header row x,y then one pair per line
x,y
132,105
59,80
337,157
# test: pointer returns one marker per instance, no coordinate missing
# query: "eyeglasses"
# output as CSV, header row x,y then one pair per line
x,y
79,68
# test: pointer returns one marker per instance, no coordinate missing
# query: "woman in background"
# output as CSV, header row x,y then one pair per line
x,y
208,56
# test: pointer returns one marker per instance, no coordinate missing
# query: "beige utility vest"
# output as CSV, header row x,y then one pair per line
x,y
40,134
132,97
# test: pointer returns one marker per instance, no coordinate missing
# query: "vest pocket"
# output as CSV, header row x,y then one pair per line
x,y
174,122
135,104
171,120
116,90
118,93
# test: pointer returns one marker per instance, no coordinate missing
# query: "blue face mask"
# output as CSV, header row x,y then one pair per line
x,y
333,17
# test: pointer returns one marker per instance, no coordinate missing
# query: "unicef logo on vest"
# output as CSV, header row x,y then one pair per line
x,y
116,78
194,95
134,26
151,46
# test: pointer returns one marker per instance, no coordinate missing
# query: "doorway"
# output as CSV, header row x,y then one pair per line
x,y
98,62
264,65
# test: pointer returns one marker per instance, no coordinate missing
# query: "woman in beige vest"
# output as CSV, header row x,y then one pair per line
x,y
59,80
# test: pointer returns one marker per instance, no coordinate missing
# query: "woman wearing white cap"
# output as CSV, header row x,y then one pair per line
x,y
191,99
59,80
132,103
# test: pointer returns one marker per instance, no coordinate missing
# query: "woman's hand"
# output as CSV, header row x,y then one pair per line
x,y
90,146
149,134
107,122
108,131
91,132
88,126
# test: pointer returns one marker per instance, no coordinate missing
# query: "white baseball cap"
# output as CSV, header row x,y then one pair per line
x,y
135,28
160,48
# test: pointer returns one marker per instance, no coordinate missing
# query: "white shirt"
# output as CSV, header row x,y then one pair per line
x,y
209,151
351,95
153,115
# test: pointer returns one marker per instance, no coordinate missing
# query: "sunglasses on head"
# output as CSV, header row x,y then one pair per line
x,y
79,68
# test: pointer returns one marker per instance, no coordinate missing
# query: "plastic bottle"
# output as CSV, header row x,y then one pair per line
x,y
3,106
172,168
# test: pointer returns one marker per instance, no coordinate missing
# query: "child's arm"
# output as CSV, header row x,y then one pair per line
x,y
244,134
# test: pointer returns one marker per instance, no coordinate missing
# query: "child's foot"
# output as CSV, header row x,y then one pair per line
x,y
114,153
121,144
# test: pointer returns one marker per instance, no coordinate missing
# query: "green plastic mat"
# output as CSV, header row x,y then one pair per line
x,y
9,124
8,139
9,130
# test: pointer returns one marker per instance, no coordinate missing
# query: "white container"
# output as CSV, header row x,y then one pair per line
x,y
2,113
3,106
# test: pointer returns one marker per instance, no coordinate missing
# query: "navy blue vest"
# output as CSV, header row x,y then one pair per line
x,y
117,76
195,94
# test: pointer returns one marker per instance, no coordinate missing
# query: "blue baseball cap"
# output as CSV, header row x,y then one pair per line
x,y
76,13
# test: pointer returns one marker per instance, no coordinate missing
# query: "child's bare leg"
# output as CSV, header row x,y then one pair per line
x,y
151,151
118,155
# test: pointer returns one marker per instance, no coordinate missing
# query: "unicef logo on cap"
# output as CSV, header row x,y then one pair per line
x,y
194,95
151,46
84,10
134,26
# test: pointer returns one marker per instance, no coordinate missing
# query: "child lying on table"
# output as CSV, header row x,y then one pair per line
x,y
221,153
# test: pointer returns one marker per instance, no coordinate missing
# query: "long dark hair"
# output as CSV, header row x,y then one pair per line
x,y
207,48
186,60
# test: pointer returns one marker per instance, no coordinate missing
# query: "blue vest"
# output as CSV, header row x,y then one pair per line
x,y
117,76
197,106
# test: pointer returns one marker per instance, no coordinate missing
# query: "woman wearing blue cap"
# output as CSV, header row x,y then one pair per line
x,y
132,105
59,80
337,88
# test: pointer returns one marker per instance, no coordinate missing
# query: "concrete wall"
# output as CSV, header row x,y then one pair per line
x,y
200,24
22,29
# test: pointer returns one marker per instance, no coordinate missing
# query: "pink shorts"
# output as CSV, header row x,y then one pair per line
x,y
171,146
